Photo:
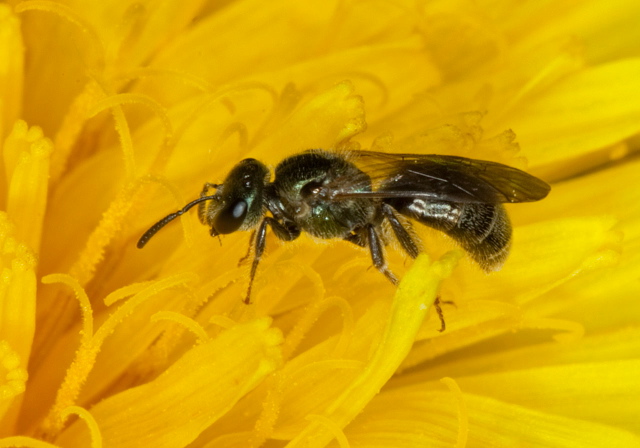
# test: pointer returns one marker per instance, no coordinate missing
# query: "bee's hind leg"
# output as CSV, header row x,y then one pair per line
x,y
409,245
404,237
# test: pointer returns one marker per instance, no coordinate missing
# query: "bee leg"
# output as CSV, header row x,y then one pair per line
x,y
408,244
246,256
207,187
281,231
203,216
404,237
377,254
259,243
438,308
357,238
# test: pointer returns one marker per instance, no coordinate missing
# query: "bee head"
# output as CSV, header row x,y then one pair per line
x,y
237,204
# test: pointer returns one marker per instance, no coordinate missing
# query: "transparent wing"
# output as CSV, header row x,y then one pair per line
x,y
446,178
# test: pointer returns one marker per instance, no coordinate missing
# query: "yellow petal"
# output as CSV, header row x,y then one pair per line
x,y
413,417
17,310
592,379
606,392
577,116
333,116
14,378
371,69
45,100
606,31
221,81
609,192
11,70
239,23
190,395
562,252
18,291
26,159
545,255
409,308
131,31
618,345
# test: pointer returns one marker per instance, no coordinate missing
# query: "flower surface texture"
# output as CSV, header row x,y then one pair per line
x,y
114,114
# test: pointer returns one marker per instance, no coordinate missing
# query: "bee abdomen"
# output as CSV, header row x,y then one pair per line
x,y
483,230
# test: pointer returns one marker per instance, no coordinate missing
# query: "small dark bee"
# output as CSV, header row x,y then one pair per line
x,y
352,195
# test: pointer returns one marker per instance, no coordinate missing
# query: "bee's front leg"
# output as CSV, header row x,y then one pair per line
x,y
282,231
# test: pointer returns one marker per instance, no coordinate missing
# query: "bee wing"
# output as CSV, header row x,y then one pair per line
x,y
445,178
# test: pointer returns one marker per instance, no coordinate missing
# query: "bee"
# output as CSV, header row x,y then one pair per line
x,y
358,196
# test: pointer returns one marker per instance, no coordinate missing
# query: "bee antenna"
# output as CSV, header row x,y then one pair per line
x,y
167,219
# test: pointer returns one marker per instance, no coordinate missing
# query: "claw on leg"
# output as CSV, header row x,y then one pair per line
x,y
437,304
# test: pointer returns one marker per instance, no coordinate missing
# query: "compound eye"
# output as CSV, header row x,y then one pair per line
x,y
231,217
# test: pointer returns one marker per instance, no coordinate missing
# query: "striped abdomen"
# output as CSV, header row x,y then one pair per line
x,y
483,230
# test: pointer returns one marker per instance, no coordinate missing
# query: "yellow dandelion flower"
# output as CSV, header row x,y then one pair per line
x,y
113,114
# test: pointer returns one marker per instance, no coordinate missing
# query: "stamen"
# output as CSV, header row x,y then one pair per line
x,y
236,128
82,363
463,415
126,309
94,429
311,316
15,377
81,295
71,128
188,323
332,427
93,252
220,95
90,344
136,98
126,291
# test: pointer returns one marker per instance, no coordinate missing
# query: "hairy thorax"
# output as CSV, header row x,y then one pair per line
x,y
311,197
